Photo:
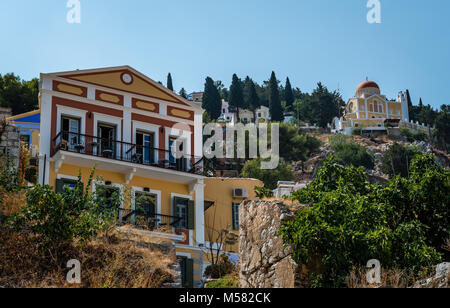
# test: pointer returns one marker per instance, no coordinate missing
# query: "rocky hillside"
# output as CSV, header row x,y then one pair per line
x,y
374,146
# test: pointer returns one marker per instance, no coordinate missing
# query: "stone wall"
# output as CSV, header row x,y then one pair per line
x,y
264,260
10,143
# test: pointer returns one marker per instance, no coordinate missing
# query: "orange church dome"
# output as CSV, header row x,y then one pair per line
x,y
368,84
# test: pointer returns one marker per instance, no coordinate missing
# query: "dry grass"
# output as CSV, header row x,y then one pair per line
x,y
11,202
105,263
396,279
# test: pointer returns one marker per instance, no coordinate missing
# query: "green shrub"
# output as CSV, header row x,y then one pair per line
x,y
350,153
357,131
75,215
397,160
296,145
350,221
270,178
229,282
262,192
413,136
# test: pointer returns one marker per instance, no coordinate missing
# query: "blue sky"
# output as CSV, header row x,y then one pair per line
x,y
307,40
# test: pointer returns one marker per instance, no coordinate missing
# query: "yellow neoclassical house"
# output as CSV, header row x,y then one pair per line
x,y
369,109
125,124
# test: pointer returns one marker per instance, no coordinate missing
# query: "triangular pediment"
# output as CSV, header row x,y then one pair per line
x,y
113,78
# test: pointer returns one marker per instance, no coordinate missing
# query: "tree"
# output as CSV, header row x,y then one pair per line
x,y
289,95
442,132
19,95
322,106
348,221
183,93
276,110
250,96
224,93
270,178
296,146
212,102
410,105
169,82
236,98
397,160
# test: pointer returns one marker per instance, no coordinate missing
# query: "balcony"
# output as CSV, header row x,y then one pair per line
x,y
107,150
150,222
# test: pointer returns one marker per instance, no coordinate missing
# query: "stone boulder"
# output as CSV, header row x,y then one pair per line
x,y
265,262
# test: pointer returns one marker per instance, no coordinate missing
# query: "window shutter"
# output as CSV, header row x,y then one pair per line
x,y
59,186
235,223
191,215
174,210
189,273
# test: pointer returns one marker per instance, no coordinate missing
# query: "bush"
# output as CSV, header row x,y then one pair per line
x,y
413,136
357,131
229,282
73,215
283,172
350,153
397,160
349,221
223,268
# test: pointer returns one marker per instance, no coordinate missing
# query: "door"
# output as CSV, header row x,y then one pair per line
x,y
179,164
145,148
71,132
107,137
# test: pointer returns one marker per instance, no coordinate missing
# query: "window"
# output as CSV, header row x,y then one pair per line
x,y
65,184
184,209
70,129
235,214
145,209
350,107
181,212
107,196
145,152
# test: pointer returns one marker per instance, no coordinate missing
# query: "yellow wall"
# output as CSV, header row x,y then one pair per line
x,y
166,188
220,191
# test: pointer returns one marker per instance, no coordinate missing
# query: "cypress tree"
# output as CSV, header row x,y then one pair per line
x,y
276,110
289,95
183,93
236,98
212,102
169,82
251,96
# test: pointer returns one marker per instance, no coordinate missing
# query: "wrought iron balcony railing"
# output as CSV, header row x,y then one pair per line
x,y
126,152
148,221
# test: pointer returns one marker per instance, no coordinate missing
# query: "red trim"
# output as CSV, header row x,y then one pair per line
x,y
82,106
176,99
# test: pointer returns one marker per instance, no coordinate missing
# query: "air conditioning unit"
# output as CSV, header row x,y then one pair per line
x,y
240,193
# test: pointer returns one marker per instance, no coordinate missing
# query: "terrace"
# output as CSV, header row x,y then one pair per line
x,y
108,150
